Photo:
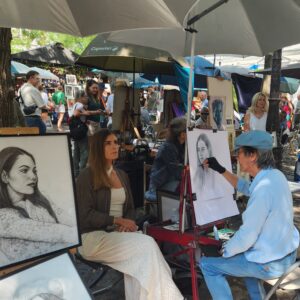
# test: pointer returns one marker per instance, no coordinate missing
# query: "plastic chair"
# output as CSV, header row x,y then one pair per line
x,y
290,280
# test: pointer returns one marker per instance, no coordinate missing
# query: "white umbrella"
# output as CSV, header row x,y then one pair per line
x,y
249,27
86,17
45,74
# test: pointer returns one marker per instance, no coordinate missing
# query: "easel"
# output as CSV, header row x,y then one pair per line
x,y
21,131
188,240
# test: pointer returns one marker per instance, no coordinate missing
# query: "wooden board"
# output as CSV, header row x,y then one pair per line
x,y
18,130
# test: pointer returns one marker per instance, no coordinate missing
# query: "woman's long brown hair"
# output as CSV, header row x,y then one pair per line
x,y
97,161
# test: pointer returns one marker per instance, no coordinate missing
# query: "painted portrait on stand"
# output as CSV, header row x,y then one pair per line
x,y
217,112
213,192
37,203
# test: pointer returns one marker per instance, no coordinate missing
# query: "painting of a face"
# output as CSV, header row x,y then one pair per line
x,y
202,151
218,112
22,178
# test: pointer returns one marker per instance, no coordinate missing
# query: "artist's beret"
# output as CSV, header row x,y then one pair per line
x,y
257,139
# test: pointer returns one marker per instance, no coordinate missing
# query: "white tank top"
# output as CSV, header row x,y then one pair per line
x,y
258,123
117,201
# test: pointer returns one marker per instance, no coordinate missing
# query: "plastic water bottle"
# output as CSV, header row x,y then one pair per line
x,y
297,170
216,233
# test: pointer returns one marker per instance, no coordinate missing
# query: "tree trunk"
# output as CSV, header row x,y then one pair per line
x,y
267,78
6,87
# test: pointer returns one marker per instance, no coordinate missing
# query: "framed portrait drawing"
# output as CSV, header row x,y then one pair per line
x,y
38,213
69,91
217,112
76,88
71,79
214,195
54,278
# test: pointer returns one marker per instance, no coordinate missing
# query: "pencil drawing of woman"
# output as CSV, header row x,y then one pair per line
x,y
204,179
29,224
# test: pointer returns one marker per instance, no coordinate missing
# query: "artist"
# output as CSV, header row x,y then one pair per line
x,y
266,243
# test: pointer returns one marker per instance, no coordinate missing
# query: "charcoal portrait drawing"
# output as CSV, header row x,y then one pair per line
x,y
31,224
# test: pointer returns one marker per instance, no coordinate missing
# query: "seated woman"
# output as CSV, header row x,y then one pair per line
x,y
166,170
29,223
108,231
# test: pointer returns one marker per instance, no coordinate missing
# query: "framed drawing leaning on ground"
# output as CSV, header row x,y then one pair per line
x,y
55,278
38,212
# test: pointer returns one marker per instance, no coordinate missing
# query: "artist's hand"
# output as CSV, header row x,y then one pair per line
x,y
214,164
126,224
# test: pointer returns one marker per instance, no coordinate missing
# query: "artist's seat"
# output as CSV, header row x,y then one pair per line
x,y
290,280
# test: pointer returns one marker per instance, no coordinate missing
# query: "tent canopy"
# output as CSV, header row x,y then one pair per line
x,y
18,69
55,54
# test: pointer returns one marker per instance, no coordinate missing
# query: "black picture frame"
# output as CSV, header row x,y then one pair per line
x,y
54,226
167,205
56,274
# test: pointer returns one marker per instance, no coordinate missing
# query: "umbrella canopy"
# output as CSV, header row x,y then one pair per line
x,y
88,17
18,68
45,74
204,67
292,70
123,57
289,85
55,54
236,27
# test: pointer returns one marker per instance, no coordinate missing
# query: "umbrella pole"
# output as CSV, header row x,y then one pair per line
x,y
190,90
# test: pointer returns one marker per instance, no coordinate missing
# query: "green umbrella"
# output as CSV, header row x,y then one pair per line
x,y
289,85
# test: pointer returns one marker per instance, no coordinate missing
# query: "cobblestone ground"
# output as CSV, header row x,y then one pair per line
x,y
237,285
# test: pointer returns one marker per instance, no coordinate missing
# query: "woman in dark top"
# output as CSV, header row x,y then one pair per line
x,y
92,91
108,231
167,166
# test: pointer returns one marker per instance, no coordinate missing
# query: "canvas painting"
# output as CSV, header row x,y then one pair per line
x,y
69,91
214,194
217,112
53,279
71,79
38,212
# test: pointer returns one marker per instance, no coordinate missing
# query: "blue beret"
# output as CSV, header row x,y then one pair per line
x,y
257,139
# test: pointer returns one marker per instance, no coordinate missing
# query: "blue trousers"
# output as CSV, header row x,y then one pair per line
x,y
36,121
215,270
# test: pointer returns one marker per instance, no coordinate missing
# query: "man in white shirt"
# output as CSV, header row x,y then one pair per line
x,y
110,109
31,97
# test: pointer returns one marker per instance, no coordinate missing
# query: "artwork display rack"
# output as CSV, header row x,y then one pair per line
x,y
187,239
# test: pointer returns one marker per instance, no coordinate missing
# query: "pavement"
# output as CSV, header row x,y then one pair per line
x,y
237,285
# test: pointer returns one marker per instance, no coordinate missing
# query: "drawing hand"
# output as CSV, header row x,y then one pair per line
x,y
214,164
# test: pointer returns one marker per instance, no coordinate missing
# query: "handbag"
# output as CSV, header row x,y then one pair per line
x,y
78,129
27,110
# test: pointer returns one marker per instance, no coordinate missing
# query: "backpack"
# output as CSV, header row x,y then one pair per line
x,y
78,129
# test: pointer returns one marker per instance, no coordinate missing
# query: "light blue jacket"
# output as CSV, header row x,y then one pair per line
x,y
268,232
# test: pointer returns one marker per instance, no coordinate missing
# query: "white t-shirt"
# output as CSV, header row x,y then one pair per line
x,y
31,96
79,106
110,107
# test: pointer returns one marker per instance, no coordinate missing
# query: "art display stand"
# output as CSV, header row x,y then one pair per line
x,y
187,239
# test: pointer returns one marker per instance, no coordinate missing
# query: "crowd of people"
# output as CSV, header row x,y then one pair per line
x,y
106,210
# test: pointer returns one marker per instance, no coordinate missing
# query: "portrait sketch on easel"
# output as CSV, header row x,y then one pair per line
x,y
217,112
213,192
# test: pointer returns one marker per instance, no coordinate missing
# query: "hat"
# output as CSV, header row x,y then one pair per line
x,y
257,139
101,86
178,125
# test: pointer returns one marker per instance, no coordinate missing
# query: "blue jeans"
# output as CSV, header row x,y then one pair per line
x,y
215,269
36,121
80,155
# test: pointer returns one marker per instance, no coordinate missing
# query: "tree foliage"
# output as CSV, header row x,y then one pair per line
x,y
25,39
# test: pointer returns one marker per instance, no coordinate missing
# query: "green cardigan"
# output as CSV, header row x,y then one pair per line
x,y
94,205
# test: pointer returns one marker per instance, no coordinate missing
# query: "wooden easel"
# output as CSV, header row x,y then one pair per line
x,y
21,131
